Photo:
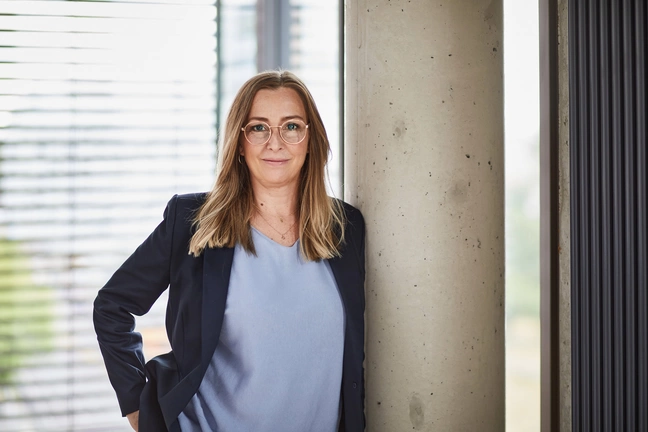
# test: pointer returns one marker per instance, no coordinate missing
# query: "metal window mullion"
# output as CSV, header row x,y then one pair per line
x,y
575,214
273,34
585,337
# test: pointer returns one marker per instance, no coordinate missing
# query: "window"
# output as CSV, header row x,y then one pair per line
x,y
522,123
106,110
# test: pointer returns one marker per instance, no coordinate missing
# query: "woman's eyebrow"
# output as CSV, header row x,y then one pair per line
x,y
283,119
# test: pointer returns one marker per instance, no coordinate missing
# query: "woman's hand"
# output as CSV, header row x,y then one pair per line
x,y
133,419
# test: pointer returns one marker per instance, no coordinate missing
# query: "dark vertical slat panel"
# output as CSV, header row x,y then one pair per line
x,y
629,145
593,160
606,220
641,164
576,214
617,234
609,217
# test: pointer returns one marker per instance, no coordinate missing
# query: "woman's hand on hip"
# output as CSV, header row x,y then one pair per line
x,y
133,419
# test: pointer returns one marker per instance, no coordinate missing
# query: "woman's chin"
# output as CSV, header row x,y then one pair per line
x,y
277,181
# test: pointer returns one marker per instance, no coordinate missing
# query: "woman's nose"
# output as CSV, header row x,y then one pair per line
x,y
275,141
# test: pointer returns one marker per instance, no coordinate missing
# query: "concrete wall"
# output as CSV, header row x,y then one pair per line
x,y
563,208
424,162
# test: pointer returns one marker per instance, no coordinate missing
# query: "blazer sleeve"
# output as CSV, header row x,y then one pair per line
x,y
132,290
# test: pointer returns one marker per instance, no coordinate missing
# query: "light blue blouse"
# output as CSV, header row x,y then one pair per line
x,y
278,363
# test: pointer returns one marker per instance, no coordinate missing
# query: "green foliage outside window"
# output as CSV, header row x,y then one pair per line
x,y
522,249
26,312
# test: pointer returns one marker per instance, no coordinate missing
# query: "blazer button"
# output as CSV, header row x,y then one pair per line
x,y
355,385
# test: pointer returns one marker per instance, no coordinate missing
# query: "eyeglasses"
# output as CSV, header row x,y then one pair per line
x,y
292,132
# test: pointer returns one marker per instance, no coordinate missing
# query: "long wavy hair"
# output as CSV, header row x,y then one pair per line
x,y
223,220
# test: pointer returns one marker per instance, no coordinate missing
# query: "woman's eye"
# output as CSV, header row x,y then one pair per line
x,y
292,126
258,128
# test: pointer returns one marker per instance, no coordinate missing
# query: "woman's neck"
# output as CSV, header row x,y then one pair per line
x,y
276,214
280,202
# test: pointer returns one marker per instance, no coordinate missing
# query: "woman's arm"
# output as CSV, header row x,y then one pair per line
x,y
132,290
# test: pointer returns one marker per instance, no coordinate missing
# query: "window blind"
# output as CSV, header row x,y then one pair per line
x,y
107,108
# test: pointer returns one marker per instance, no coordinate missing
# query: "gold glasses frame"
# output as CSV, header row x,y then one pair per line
x,y
270,129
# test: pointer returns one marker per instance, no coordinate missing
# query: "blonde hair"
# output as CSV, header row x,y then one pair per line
x,y
223,220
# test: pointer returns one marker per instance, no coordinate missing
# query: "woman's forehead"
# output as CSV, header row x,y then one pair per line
x,y
274,104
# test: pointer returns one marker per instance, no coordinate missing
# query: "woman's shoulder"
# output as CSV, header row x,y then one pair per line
x,y
187,203
191,199
352,215
350,211
182,208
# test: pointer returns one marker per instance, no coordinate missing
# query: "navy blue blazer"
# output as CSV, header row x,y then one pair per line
x,y
161,388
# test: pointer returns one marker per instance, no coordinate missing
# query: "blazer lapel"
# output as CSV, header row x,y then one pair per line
x,y
217,266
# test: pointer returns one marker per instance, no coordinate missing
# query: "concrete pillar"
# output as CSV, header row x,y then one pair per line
x,y
424,161
564,261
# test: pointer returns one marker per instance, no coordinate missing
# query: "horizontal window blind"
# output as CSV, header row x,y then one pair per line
x,y
107,108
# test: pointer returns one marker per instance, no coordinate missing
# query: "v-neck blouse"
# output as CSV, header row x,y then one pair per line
x,y
278,362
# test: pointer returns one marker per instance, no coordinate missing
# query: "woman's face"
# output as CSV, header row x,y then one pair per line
x,y
275,163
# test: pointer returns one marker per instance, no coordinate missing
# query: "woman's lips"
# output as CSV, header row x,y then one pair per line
x,y
275,162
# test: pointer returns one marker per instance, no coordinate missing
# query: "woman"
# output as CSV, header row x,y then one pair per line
x,y
266,287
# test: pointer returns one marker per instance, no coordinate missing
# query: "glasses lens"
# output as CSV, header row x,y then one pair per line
x,y
257,133
293,131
